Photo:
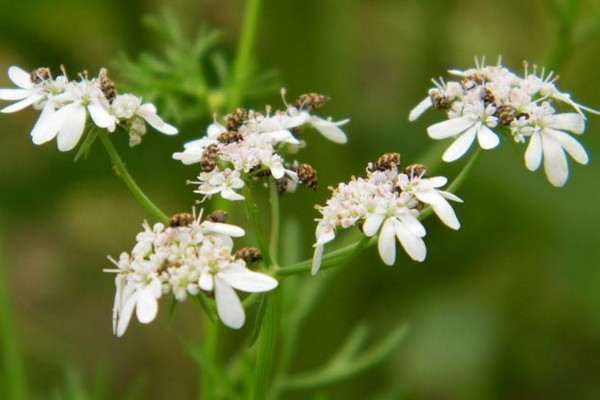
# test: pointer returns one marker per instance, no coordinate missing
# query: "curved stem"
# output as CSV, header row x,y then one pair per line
x,y
252,211
345,254
122,172
241,65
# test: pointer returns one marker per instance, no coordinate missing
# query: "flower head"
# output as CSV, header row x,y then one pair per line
x,y
489,100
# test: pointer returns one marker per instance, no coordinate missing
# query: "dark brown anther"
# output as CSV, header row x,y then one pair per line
x,y
307,175
297,132
181,220
229,137
311,101
488,97
236,119
469,82
505,114
107,86
217,216
415,170
39,75
440,100
250,255
209,157
388,161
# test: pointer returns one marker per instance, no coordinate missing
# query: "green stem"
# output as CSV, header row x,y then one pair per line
x,y
241,65
345,254
252,211
211,344
275,221
122,172
12,377
266,347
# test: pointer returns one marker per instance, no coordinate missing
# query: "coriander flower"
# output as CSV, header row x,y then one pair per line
x,y
128,106
489,100
190,257
387,203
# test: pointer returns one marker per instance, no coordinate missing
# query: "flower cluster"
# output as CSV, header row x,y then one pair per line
x,y
251,144
65,105
389,202
186,258
492,99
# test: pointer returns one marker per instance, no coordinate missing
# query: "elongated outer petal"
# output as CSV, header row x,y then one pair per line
x,y
460,146
230,194
14,94
487,138
20,77
450,196
317,257
248,281
229,307
48,128
387,242
413,245
441,207
72,128
19,105
533,154
413,225
555,162
223,229
438,181
423,106
372,224
148,112
125,314
570,144
450,127
147,306
101,116
330,130
571,122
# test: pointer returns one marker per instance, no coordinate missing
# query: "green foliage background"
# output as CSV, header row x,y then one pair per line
x,y
506,308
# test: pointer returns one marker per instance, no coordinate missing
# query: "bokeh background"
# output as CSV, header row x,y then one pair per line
x,y
506,308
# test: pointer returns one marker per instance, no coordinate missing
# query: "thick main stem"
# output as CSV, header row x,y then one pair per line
x,y
122,172
241,65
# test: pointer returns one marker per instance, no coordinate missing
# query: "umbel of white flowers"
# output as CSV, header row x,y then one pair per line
x,y
387,202
65,105
252,144
490,98
190,257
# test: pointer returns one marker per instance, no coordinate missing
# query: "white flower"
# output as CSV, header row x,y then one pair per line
x,y
126,106
229,276
223,182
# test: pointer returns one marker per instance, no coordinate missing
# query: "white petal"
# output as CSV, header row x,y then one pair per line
x,y
223,229
317,257
438,181
229,194
229,307
423,106
460,146
413,245
555,162
148,112
450,196
533,154
47,129
14,94
100,116
214,130
125,314
206,282
572,122
570,144
72,129
446,214
487,138
20,77
451,127
146,306
283,136
277,171
330,130
413,225
19,105
387,242
248,281
372,224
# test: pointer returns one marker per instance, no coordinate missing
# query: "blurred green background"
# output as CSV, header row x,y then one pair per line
x,y
506,308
